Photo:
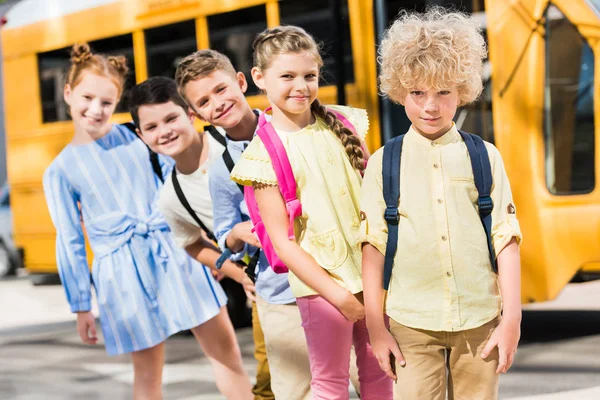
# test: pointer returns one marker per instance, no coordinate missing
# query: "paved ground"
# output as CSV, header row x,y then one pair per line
x,y
41,356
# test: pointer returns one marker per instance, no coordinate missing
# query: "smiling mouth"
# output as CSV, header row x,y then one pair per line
x,y
169,140
298,98
224,112
92,119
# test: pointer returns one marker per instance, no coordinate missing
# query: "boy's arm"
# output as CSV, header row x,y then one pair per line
x,y
506,236
226,210
374,238
194,240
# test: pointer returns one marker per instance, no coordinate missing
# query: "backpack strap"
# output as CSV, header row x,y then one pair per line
x,y
283,170
392,154
226,154
187,206
153,156
482,175
216,135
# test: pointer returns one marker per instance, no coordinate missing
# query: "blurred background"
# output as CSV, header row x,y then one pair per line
x,y
538,107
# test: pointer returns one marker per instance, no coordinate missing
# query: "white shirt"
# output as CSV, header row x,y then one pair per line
x,y
195,188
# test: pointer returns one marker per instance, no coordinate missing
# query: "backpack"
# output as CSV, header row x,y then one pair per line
x,y
287,186
482,174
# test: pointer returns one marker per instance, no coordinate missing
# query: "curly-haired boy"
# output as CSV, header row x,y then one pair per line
x,y
445,298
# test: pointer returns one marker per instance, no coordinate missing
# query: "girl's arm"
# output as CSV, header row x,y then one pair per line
x,y
274,216
71,260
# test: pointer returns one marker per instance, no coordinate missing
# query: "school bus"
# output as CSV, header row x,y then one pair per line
x,y
538,106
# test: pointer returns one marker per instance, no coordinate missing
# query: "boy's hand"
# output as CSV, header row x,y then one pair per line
x,y
350,307
249,288
243,232
384,345
506,337
86,327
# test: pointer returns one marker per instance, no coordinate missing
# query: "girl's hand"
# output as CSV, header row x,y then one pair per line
x,y
384,347
350,307
506,337
86,327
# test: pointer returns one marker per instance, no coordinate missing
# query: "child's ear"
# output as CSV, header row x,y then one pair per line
x,y
242,82
67,91
258,78
191,115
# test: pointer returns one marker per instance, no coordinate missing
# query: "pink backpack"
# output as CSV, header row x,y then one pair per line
x,y
287,186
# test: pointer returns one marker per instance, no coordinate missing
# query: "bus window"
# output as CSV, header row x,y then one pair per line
x,y
167,45
52,67
568,107
232,34
316,18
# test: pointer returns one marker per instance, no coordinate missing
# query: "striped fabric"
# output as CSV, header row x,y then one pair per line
x,y
147,289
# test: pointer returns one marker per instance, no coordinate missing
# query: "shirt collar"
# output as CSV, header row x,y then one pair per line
x,y
452,136
240,145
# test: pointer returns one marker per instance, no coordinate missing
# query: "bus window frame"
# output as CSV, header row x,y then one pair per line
x,y
581,196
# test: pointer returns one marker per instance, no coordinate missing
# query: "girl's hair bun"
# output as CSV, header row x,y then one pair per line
x,y
80,52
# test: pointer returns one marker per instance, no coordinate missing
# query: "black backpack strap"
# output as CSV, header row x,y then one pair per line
x,y
226,155
216,135
153,156
392,154
187,206
482,175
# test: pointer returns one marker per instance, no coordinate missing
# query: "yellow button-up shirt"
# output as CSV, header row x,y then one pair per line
x,y
328,189
442,279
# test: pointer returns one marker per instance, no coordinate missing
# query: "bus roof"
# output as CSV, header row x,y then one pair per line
x,y
30,11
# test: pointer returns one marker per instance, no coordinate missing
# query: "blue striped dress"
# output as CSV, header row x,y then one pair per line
x,y
147,289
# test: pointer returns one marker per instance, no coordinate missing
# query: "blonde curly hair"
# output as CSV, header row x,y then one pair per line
x,y
438,49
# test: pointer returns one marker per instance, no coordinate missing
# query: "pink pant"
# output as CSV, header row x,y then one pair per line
x,y
329,336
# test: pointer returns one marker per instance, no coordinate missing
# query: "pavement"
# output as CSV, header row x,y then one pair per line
x,y
41,356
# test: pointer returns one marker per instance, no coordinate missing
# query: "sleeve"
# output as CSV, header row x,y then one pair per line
x,y
373,226
505,224
183,232
226,206
358,117
71,259
254,166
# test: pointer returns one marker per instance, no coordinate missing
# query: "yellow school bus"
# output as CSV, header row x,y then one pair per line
x,y
538,106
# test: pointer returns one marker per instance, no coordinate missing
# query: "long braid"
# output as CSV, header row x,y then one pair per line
x,y
349,140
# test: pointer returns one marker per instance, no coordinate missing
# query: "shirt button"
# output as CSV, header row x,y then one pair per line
x,y
444,238
343,191
440,201
449,273
355,222
436,166
432,144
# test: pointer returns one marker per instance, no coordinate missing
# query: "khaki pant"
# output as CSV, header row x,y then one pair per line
x,y
437,362
286,349
262,388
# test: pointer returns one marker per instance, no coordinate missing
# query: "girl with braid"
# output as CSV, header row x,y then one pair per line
x,y
324,260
